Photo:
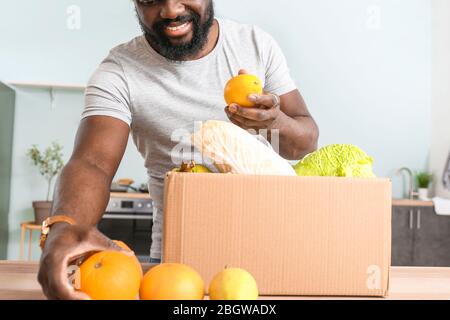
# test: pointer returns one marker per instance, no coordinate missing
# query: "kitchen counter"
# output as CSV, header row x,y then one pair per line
x,y
395,202
411,203
130,195
18,282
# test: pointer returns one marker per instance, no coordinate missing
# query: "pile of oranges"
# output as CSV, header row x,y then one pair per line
x,y
112,275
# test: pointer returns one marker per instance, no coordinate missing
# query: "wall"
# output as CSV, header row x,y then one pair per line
x,y
354,60
45,43
440,139
364,67
7,98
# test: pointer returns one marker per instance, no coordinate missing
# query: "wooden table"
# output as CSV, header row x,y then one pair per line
x,y
18,282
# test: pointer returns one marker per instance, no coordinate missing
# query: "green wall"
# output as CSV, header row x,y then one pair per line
x,y
7,97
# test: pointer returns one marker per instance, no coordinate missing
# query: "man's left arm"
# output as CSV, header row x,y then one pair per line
x,y
288,113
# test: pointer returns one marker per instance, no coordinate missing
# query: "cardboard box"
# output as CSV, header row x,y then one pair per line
x,y
308,236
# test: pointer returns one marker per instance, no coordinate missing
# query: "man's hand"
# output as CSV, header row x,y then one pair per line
x,y
69,245
264,115
288,114
83,191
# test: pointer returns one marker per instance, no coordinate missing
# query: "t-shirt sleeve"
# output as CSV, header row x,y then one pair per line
x,y
278,77
107,92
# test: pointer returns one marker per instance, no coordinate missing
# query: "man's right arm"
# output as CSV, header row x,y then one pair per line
x,y
82,193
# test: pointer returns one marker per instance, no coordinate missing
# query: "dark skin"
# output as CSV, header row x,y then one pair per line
x,y
83,188
298,132
82,193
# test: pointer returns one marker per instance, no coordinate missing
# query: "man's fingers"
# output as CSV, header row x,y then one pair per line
x,y
57,284
66,292
243,71
56,292
53,277
243,126
100,242
66,256
56,278
266,100
78,295
260,115
247,123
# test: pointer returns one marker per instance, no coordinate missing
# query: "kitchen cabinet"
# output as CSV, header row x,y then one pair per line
x,y
7,105
431,239
420,237
402,236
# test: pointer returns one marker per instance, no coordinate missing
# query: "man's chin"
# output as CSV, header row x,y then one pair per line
x,y
180,41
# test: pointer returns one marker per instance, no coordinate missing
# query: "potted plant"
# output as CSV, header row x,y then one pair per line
x,y
50,163
423,182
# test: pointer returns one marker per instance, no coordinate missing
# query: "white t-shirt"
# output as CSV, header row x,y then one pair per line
x,y
161,100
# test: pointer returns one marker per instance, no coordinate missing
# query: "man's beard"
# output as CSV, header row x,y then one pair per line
x,y
180,52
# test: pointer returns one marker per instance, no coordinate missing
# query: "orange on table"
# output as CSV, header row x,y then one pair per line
x,y
233,284
172,281
111,275
240,87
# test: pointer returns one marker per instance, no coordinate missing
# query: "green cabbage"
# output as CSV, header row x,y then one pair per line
x,y
337,160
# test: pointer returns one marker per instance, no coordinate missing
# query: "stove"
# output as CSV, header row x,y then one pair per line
x,y
129,208
129,218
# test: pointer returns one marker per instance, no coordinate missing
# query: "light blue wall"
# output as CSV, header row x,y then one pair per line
x,y
38,122
366,83
37,45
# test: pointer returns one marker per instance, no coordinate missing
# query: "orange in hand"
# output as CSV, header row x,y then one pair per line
x,y
111,275
171,281
123,245
240,87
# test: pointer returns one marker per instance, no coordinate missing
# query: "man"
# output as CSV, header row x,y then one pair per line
x,y
165,80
